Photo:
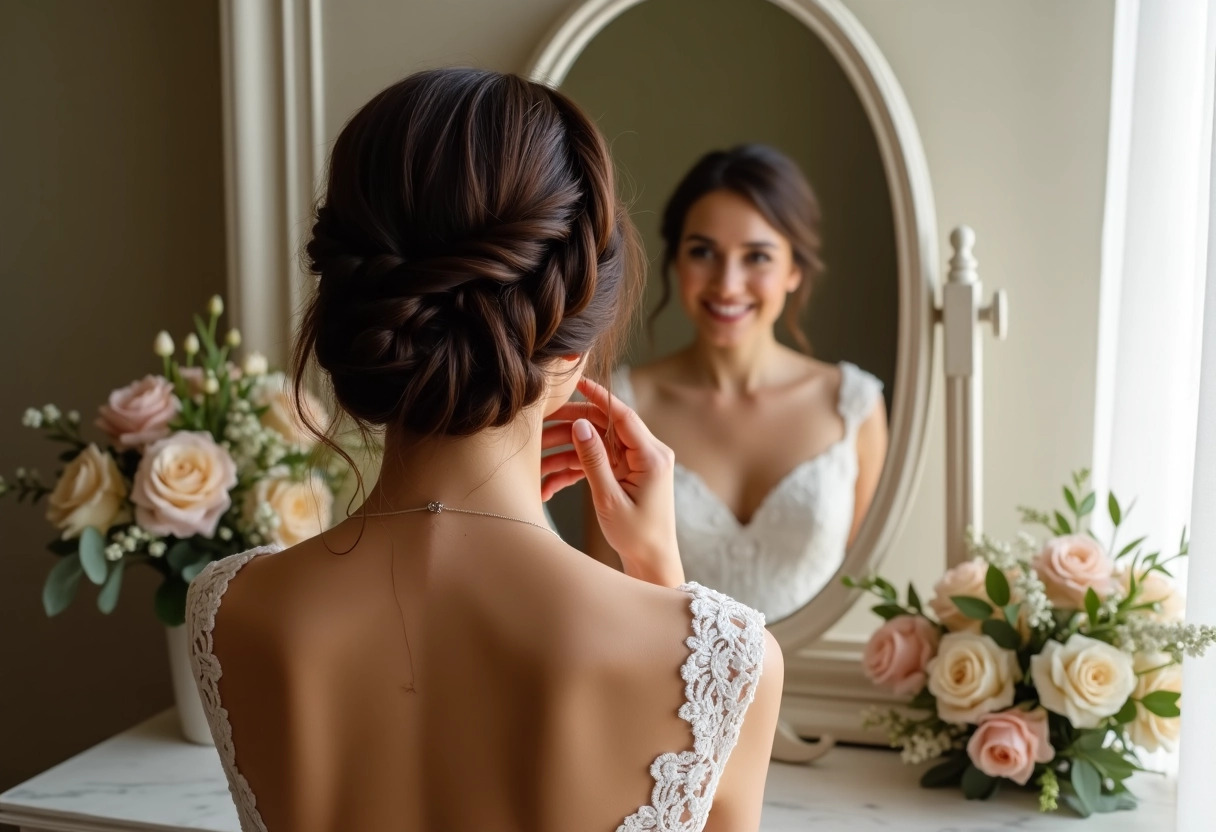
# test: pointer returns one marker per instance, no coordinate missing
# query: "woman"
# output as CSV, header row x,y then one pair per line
x,y
457,666
778,455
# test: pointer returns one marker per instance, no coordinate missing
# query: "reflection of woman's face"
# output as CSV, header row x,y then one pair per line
x,y
735,270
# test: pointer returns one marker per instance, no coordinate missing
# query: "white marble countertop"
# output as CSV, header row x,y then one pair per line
x,y
147,778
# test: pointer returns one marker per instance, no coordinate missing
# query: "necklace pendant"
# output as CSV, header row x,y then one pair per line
x,y
434,507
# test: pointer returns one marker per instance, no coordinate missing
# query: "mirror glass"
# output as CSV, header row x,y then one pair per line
x,y
669,81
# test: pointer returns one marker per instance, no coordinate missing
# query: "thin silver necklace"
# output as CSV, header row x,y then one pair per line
x,y
436,507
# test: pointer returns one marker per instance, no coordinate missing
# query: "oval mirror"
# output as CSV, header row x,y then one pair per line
x,y
671,80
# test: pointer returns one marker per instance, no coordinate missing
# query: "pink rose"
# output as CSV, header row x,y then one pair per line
x,y
139,413
182,483
1071,565
1008,744
965,579
897,653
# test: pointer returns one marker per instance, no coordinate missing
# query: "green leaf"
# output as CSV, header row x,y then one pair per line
x,y
1116,802
1163,703
997,585
948,773
886,611
1127,713
923,701
1002,633
976,784
888,591
1012,611
107,599
180,553
1128,548
1092,605
1112,764
190,570
1070,499
93,555
1074,803
1087,783
1087,505
64,547
1116,513
61,585
975,608
1062,524
1089,740
914,599
170,602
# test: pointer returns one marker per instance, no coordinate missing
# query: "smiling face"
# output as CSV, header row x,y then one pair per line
x,y
735,270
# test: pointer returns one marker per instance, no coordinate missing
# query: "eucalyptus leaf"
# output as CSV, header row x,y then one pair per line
x,y
93,555
180,553
1124,801
1089,740
1087,504
1163,703
63,547
1002,633
170,602
977,785
1062,524
1087,783
1116,512
1012,611
107,599
190,570
997,586
1070,498
1112,764
61,585
948,773
1073,802
975,608
1092,604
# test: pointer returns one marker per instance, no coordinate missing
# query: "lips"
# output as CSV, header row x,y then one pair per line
x,y
728,313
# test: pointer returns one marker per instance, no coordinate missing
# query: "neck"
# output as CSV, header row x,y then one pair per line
x,y
496,470
738,369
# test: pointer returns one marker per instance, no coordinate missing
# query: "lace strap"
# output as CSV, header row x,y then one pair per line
x,y
202,604
726,656
859,393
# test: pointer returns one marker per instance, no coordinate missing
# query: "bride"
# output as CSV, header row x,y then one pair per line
x,y
441,660
778,454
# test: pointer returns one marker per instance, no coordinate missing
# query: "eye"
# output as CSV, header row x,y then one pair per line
x,y
757,257
700,252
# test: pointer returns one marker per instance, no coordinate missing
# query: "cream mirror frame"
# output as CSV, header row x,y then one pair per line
x,y
824,684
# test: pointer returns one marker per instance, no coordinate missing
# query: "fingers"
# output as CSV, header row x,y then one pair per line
x,y
629,427
593,457
552,463
554,483
571,411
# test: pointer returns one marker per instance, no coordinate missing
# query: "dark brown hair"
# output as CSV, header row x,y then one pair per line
x,y
772,182
469,235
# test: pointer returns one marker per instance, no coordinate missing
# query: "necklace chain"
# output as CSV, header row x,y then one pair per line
x,y
436,507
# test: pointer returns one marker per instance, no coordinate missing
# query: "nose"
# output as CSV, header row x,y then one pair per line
x,y
729,277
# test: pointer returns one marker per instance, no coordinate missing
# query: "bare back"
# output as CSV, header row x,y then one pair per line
x,y
535,689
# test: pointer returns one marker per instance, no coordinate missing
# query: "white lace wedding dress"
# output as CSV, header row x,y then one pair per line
x,y
726,655
795,541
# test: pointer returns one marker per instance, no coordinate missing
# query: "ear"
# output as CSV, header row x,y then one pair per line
x,y
794,280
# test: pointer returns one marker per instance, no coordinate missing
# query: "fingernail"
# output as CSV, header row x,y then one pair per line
x,y
582,430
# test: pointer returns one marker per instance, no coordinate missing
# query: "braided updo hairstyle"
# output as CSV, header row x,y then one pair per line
x,y
469,236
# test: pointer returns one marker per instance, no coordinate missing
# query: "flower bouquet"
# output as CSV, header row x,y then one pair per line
x,y
202,461
1049,665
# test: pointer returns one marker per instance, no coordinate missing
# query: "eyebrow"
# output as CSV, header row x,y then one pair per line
x,y
750,244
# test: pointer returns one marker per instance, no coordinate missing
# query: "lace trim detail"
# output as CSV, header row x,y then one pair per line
x,y
202,604
720,675
859,392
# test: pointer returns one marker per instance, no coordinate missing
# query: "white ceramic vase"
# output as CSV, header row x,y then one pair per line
x,y
189,706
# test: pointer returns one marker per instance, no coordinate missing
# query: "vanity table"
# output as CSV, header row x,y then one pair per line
x,y
147,778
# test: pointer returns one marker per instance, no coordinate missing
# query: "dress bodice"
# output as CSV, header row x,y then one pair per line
x,y
795,541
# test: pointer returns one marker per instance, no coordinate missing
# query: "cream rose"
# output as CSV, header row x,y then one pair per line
x,y
1069,566
91,492
1083,679
281,414
965,579
1155,588
1149,731
1009,744
182,484
304,509
898,652
972,676
139,413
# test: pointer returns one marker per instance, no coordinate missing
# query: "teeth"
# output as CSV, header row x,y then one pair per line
x,y
728,311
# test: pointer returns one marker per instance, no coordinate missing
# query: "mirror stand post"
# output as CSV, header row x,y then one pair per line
x,y
960,315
